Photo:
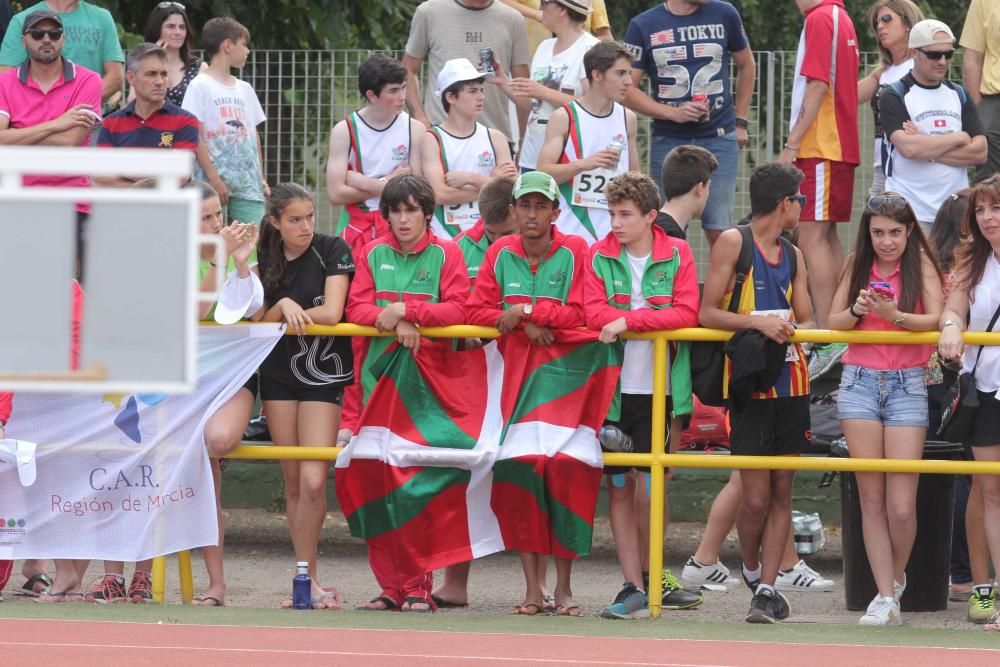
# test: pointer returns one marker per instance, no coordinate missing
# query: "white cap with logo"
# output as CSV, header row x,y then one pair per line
x,y
924,33
455,71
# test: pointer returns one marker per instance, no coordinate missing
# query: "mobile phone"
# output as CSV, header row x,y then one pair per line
x,y
882,289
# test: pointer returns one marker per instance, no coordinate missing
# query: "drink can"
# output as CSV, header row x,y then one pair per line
x,y
486,61
701,98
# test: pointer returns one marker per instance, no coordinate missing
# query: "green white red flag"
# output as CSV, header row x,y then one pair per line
x,y
463,454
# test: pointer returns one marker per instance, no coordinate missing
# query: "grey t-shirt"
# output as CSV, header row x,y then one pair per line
x,y
445,29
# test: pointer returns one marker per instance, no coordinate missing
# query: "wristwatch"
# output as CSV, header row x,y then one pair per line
x,y
742,123
527,311
899,320
947,322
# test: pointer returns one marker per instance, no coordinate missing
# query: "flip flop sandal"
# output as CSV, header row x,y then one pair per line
x,y
202,600
28,589
412,600
48,597
529,609
328,594
572,610
448,604
548,603
390,604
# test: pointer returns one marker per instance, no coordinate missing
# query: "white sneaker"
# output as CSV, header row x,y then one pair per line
x,y
898,588
882,611
712,577
802,578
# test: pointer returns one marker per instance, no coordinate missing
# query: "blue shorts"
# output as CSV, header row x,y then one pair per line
x,y
718,213
893,398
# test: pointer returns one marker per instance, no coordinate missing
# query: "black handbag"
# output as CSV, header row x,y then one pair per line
x,y
960,402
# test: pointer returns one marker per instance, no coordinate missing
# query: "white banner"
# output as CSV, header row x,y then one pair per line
x,y
122,476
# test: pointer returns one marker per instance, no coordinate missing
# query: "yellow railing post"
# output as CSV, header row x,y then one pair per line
x,y
186,578
656,483
159,575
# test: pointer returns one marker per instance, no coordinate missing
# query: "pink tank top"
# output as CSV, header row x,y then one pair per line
x,y
885,356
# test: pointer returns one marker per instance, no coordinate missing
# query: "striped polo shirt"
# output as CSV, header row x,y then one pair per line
x,y
167,127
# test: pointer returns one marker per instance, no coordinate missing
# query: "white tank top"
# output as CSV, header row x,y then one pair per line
x,y
473,153
583,205
375,153
985,300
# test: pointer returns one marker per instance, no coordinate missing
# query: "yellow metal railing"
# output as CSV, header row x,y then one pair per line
x,y
658,459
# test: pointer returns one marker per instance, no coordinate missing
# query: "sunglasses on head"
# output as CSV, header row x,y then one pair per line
x,y
938,55
164,5
37,34
879,203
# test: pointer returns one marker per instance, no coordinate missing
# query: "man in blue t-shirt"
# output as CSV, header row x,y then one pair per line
x,y
685,46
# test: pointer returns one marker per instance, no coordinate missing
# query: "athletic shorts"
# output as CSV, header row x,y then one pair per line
x,y
986,427
253,384
362,227
829,190
770,427
892,398
636,420
273,389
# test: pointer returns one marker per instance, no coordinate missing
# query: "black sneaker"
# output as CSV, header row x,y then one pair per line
x,y
781,607
752,585
763,608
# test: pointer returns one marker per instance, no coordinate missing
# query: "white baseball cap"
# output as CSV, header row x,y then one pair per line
x,y
923,34
455,71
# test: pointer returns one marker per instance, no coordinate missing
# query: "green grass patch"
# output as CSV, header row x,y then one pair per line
x,y
664,628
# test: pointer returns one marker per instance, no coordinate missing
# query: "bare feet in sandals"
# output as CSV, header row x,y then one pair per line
x,y
327,598
381,603
528,608
418,605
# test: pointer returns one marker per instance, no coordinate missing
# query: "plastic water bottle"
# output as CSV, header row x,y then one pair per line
x,y
614,440
302,587
617,144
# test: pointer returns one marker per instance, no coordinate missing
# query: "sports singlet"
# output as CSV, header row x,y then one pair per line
x,y
473,153
582,202
376,153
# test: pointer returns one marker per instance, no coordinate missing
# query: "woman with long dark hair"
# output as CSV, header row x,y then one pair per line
x,y
975,298
890,283
306,277
168,27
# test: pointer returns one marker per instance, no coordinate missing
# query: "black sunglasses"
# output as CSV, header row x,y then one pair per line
x,y
885,18
801,199
938,55
879,203
37,34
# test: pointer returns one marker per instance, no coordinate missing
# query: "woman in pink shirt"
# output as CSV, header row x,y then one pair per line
x,y
891,283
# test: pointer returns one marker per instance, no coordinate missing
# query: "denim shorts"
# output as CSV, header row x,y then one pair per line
x,y
718,213
894,398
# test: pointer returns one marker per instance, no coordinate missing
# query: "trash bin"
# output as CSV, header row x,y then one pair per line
x,y
928,569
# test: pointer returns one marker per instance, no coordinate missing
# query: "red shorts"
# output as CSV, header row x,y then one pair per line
x,y
829,190
361,227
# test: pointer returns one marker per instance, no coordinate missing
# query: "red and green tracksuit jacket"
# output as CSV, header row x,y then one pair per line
x,y
431,280
474,245
670,287
554,288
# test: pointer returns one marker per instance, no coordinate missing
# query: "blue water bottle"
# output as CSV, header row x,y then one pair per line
x,y
302,587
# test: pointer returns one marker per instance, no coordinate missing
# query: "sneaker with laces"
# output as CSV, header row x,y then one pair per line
x,y
140,590
712,577
629,603
993,624
882,611
802,578
899,588
106,589
676,596
768,606
823,358
982,604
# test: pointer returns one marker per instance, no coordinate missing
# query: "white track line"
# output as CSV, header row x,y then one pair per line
x,y
463,658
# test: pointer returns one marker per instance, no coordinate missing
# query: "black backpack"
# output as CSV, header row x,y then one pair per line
x,y
708,359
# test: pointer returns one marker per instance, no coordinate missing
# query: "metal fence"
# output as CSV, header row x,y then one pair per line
x,y
305,92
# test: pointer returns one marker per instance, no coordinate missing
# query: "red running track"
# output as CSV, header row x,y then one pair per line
x,y
32,642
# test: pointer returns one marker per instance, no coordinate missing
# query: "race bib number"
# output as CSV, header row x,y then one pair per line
x,y
462,215
588,188
791,352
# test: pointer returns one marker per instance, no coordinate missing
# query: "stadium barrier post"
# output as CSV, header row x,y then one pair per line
x,y
657,488
187,580
159,576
